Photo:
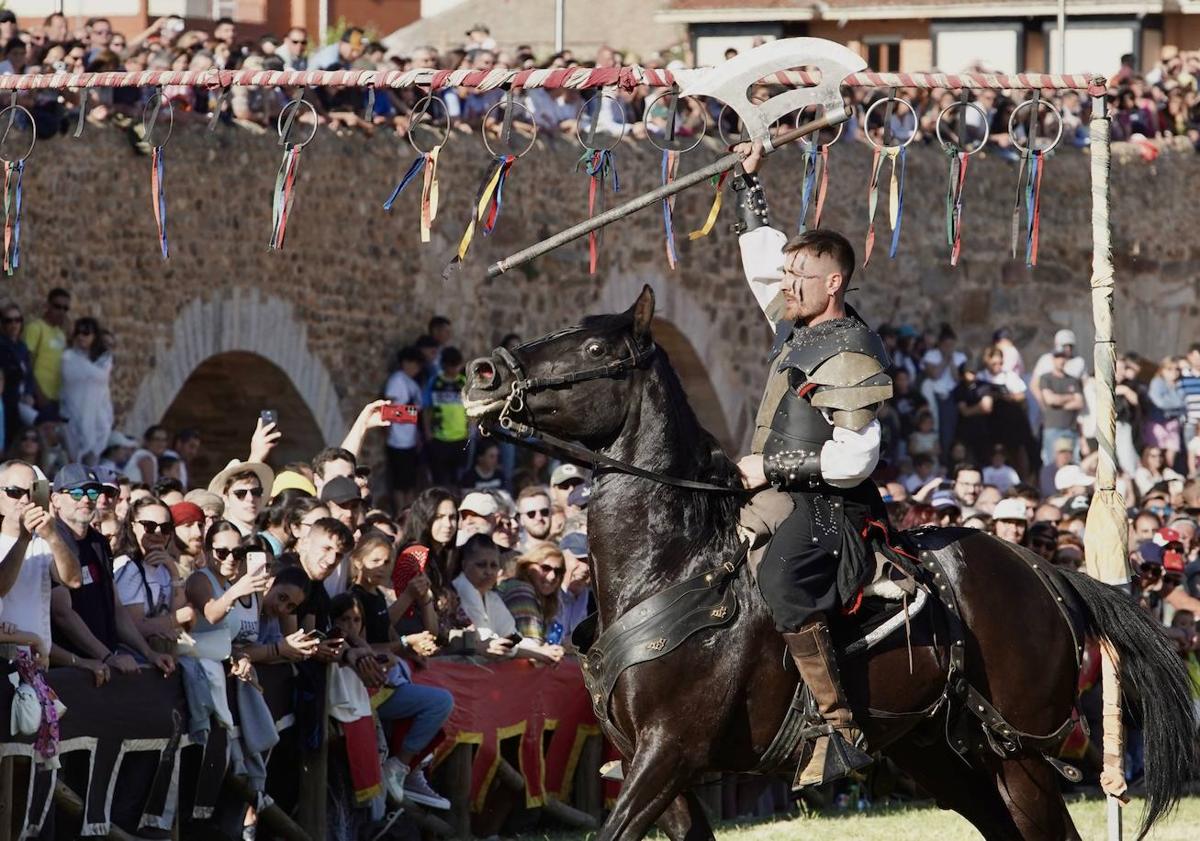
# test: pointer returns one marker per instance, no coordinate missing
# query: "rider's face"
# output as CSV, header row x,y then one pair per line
x,y
809,281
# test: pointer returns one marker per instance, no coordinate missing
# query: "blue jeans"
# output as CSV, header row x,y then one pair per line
x,y
428,706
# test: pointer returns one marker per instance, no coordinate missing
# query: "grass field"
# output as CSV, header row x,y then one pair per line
x,y
924,823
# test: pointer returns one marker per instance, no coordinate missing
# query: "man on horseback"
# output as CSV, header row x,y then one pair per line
x,y
817,439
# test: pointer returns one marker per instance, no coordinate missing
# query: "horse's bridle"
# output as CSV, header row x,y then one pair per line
x,y
522,385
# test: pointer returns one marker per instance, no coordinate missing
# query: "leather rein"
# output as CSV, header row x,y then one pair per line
x,y
514,406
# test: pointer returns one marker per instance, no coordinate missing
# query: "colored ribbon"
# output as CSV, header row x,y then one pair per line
x,y
13,170
488,202
896,154
718,183
158,195
1029,196
670,163
599,164
285,194
954,202
816,181
426,163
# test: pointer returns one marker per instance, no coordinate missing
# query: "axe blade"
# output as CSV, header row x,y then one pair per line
x,y
730,81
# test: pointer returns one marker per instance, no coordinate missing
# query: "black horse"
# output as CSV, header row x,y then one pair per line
x,y
716,702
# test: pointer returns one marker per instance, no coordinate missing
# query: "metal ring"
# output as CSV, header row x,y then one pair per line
x,y
650,135
987,130
1026,104
283,111
806,143
150,121
8,128
487,115
599,100
874,105
421,109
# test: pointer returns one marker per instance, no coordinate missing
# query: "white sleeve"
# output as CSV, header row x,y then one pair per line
x,y
851,456
762,262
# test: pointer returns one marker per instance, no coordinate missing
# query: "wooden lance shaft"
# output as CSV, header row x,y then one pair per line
x,y
647,199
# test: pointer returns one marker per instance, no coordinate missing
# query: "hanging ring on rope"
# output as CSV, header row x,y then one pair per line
x,y
590,142
150,118
810,144
295,103
1012,123
11,112
487,116
421,115
987,131
876,104
679,147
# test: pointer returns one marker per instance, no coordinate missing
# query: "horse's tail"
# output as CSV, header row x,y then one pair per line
x,y
1155,687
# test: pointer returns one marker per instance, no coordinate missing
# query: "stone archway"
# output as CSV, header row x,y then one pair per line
x,y
695,348
247,322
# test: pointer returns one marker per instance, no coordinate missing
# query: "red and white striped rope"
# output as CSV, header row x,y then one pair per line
x,y
576,77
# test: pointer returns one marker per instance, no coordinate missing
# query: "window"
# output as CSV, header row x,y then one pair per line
x,y
883,56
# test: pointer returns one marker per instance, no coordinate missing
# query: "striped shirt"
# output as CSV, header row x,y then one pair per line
x,y
1189,384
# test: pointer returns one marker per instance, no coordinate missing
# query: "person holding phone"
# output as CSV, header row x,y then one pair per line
x,y
146,575
222,592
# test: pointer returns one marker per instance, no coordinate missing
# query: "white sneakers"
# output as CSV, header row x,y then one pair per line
x,y
418,790
395,773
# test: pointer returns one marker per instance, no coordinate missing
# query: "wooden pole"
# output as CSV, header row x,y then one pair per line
x,y
589,788
1106,536
271,817
7,803
511,778
70,802
314,776
456,771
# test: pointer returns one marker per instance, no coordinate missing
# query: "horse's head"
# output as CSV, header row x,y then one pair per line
x,y
575,383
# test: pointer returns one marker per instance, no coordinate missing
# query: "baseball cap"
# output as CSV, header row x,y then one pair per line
x,y
580,496
1150,552
1166,536
479,503
72,476
341,490
946,499
1012,508
576,543
116,438
183,513
1071,476
1076,505
108,478
208,501
1063,338
289,480
1064,445
566,472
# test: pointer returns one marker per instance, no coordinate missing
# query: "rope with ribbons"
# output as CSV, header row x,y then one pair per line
x,y
671,149
158,194
426,162
1029,176
14,171
289,169
959,153
816,179
599,162
896,154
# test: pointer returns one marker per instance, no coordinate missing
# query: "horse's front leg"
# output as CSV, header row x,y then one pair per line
x,y
685,819
654,778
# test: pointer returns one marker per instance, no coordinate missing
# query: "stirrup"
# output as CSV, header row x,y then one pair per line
x,y
837,756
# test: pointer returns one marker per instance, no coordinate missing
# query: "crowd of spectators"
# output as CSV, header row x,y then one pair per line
x,y
1162,102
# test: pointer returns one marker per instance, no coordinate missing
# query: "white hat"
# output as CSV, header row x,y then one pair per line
x,y
1063,338
266,476
1012,508
566,472
1071,476
479,503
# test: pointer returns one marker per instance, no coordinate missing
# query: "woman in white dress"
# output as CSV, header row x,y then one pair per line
x,y
86,401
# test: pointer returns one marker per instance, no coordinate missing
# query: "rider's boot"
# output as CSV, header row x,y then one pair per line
x,y
833,752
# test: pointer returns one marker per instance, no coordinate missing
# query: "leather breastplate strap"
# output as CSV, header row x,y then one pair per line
x,y
654,628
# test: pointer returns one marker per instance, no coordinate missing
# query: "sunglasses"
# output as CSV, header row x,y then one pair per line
x,y
13,492
240,493
298,40
536,512
61,307
152,527
78,494
570,483
551,570
223,552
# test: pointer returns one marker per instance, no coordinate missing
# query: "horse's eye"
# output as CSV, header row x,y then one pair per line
x,y
594,350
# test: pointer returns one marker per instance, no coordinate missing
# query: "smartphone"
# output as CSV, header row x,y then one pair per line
x,y
316,634
399,413
39,493
514,638
256,562
268,416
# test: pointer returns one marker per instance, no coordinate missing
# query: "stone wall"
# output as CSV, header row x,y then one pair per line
x,y
353,282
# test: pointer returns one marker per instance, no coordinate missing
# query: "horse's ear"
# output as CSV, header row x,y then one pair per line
x,y
643,313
